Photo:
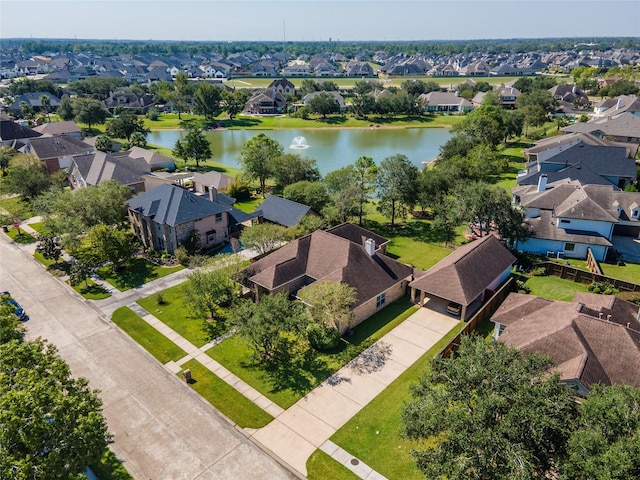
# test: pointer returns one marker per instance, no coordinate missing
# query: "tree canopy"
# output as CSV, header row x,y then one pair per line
x,y
257,156
397,187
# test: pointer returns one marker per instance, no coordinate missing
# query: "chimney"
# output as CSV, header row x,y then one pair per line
x,y
370,246
600,315
619,104
542,183
213,194
608,318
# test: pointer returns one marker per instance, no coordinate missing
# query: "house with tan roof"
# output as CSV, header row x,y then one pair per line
x,y
622,127
464,277
595,339
346,254
444,102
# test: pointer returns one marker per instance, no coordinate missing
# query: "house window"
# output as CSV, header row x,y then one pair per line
x,y
562,220
635,214
380,299
569,247
218,217
211,236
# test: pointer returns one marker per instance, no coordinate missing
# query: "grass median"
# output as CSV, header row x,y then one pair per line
x,y
137,272
225,398
163,349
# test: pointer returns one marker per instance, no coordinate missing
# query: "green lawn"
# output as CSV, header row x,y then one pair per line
x,y
175,314
16,204
225,398
92,291
307,368
554,288
163,349
136,273
63,267
629,271
322,467
374,434
38,227
110,468
250,205
20,237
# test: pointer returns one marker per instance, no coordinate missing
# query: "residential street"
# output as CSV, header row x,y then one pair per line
x,y
161,428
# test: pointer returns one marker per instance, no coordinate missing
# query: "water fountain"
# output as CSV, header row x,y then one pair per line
x,y
299,143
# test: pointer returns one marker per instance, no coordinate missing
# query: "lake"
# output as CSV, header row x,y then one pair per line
x,y
332,148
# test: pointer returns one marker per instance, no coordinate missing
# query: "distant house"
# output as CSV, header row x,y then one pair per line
x,y
566,92
595,339
465,276
92,169
69,128
566,217
623,128
34,100
129,101
346,254
617,105
442,102
267,102
339,99
284,212
358,69
164,217
56,152
12,134
154,160
283,86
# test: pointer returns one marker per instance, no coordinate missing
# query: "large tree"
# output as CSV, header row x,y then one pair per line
x,y
264,237
344,195
233,102
329,303
207,100
29,180
194,146
126,124
397,187
89,111
65,109
366,172
108,243
291,168
180,92
323,104
312,194
489,412
605,442
257,156
51,425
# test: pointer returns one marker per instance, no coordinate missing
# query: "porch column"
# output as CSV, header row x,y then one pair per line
x,y
463,314
422,296
413,294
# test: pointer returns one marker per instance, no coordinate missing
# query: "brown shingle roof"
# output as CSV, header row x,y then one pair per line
x,y
467,272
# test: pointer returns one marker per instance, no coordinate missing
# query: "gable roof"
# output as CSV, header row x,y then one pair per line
x,y
213,179
282,211
172,205
584,347
624,125
58,146
324,256
464,274
58,128
153,159
99,167
10,130
357,234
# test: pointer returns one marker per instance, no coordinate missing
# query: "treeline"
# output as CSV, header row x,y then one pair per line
x,y
450,47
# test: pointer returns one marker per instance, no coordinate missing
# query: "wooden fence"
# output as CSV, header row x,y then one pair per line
x,y
582,276
592,263
485,312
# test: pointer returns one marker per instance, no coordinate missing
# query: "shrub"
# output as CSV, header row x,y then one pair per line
x,y
323,338
153,114
182,256
605,288
539,272
521,287
239,190
160,299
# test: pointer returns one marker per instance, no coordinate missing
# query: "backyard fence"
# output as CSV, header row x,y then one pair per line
x,y
485,312
582,276
592,263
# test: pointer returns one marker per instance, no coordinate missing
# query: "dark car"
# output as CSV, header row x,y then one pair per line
x,y
17,308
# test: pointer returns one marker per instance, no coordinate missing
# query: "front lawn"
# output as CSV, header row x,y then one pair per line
x,y
321,466
92,291
163,349
554,288
225,398
63,267
38,227
374,434
138,272
307,368
175,314
20,237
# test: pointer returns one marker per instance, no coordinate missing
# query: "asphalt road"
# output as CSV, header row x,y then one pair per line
x,y
161,428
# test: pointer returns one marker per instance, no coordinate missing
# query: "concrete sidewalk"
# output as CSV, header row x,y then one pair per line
x,y
295,434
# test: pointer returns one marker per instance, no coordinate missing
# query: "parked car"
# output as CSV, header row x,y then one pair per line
x,y
17,308
454,308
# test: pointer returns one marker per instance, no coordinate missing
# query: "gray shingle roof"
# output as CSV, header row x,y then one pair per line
x,y
172,205
282,211
58,146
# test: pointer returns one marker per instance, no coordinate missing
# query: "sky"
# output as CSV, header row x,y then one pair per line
x,y
318,20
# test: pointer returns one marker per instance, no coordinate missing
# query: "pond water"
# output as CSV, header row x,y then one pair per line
x,y
331,148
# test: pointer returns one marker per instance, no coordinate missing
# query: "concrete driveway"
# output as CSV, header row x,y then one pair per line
x,y
162,429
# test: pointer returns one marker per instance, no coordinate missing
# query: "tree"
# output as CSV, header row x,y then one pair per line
x,y
26,111
194,146
366,172
362,105
323,104
106,243
257,156
27,180
264,237
89,111
180,87
48,247
126,124
104,143
312,194
138,139
490,412
269,324
605,442
65,109
10,326
397,187
5,157
291,168
52,425
233,102
484,125
341,185
329,303
207,100
81,270
210,292
45,101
